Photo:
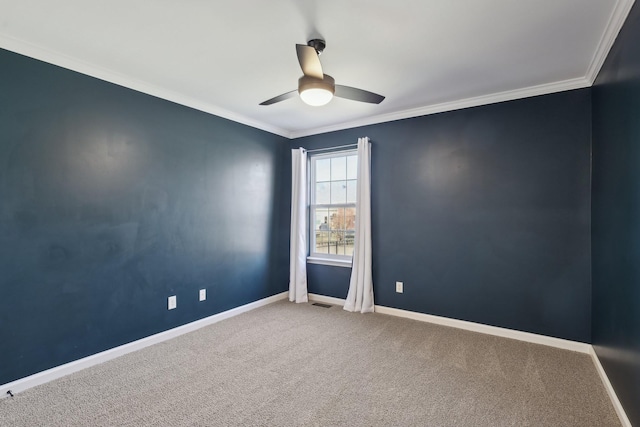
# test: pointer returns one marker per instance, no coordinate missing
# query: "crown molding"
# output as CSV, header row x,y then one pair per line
x,y
616,21
56,58
510,95
64,61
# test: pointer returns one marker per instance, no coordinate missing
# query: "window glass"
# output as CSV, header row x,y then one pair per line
x,y
338,168
323,193
323,170
322,242
351,190
333,204
352,167
338,192
321,219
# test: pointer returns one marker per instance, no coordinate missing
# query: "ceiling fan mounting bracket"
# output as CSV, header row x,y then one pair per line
x,y
317,44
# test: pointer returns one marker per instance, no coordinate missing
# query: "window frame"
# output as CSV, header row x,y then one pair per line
x,y
316,257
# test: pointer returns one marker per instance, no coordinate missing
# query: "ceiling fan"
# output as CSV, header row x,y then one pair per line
x,y
315,87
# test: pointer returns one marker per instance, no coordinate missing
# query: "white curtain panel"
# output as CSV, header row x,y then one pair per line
x,y
360,296
298,250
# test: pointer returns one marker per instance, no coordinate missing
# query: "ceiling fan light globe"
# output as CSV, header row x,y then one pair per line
x,y
316,92
316,97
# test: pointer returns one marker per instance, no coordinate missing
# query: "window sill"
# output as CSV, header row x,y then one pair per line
x,y
331,262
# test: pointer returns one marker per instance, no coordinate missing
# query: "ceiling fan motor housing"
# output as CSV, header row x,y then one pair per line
x,y
308,82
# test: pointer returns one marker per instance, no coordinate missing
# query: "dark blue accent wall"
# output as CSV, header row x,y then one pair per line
x,y
616,216
483,213
112,200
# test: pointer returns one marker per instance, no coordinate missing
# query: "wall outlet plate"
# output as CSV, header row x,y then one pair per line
x,y
172,302
399,287
203,294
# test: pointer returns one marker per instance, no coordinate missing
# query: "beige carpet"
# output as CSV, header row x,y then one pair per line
x,y
300,365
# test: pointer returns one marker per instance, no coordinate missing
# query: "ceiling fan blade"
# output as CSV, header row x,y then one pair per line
x,y
309,61
280,98
349,92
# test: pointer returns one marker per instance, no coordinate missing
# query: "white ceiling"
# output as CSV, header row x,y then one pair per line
x,y
225,57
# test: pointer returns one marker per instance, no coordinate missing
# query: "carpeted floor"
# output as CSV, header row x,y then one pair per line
x,y
301,365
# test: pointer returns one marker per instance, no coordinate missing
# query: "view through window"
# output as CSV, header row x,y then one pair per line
x,y
333,204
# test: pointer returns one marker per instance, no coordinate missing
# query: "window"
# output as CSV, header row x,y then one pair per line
x,y
332,210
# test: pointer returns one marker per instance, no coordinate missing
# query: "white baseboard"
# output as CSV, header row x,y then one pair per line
x,y
610,391
489,330
25,383
500,332
470,326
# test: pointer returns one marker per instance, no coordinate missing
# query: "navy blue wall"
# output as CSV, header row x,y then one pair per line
x,y
112,200
483,213
616,216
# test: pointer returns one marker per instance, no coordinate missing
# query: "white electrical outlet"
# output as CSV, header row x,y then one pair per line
x,y
203,294
172,303
399,287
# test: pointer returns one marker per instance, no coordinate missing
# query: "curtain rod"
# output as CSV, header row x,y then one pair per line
x,y
330,148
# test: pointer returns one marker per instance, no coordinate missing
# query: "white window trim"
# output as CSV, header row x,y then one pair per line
x,y
331,262
325,259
